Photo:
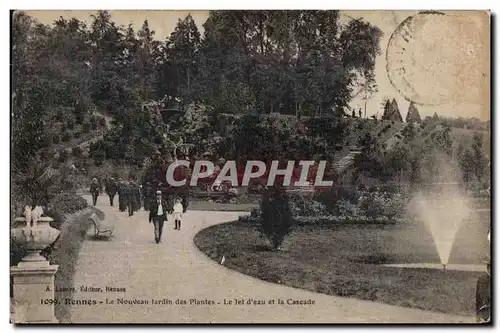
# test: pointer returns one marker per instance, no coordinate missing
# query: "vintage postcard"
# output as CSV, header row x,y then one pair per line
x,y
259,166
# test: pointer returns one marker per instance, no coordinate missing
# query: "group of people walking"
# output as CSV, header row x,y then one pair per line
x,y
132,197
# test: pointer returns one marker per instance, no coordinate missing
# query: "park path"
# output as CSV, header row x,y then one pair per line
x,y
176,270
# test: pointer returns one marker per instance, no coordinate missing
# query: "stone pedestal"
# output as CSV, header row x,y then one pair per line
x,y
33,277
33,293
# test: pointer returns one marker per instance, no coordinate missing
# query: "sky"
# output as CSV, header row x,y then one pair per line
x,y
448,59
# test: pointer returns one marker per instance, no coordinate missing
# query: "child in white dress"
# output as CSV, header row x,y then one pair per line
x,y
178,209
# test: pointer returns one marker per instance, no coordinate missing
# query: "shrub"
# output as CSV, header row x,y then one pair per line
x,y
80,117
313,208
277,219
77,134
56,139
63,204
70,124
330,198
381,205
86,127
101,122
63,155
347,210
93,122
59,116
65,137
77,151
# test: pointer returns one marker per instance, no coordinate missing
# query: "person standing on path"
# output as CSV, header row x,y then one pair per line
x,y
122,203
94,190
130,198
158,215
138,196
111,189
177,212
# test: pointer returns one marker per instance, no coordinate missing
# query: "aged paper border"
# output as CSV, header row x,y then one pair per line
x,y
391,4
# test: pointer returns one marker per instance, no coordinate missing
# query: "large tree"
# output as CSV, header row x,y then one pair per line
x,y
290,61
181,67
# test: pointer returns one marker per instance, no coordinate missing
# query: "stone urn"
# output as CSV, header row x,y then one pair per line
x,y
33,277
34,233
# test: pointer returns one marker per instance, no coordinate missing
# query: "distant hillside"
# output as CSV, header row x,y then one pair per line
x,y
458,136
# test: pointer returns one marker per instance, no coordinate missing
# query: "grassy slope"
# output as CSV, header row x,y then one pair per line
x,y
459,135
340,260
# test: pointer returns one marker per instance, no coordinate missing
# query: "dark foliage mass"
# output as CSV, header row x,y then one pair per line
x,y
276,216
292,62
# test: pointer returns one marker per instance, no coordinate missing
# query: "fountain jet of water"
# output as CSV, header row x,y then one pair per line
x,y
443,218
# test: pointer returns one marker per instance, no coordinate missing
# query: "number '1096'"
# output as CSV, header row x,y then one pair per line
x,y
48,301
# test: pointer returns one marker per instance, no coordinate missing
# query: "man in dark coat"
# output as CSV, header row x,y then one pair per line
x,y
158,215
94,190
130,198
111,189
138,196
122,201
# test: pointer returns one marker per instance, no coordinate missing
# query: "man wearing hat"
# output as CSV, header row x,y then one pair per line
x,y
158,215
94,190
122,203
130,197
111,189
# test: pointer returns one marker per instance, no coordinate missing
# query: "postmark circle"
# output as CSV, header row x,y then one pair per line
x,y
433,57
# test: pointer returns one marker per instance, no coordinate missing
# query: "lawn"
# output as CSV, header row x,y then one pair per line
x,y
344,260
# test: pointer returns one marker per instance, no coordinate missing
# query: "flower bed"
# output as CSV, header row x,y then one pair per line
x,y
366,207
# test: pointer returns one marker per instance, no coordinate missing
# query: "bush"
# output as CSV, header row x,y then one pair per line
x,y
63,155
101,122
77,135
65,137
56,139
70,124
80,118
77,151
94,122
63,204
330,198
381,205
86,127
347,210
313,208
59,116
277,219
